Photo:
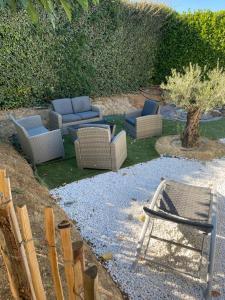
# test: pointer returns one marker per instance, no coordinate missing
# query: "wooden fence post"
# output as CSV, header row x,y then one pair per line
x,y
5,189
31,253
78,258
91,283
52,253
65,234
10,251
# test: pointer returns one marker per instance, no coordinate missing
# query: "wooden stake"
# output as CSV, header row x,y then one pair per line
x,y
10,251
52,253
31,254
5,189
78,257
91,283
65,234
5,185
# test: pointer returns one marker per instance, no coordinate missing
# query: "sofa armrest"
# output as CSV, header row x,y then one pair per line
x,y
97,109
148,126
47,146
55,120
150,119
134,114
77,152
118,150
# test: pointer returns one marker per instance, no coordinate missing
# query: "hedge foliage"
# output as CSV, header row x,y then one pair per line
x,y
115,47
109,49
191,37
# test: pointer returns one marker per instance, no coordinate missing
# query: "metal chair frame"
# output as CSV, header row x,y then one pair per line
x,y
211,232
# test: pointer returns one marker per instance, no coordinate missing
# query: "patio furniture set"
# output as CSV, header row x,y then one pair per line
x,y
97,146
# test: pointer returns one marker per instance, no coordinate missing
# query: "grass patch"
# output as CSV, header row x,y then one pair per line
x,y
60,172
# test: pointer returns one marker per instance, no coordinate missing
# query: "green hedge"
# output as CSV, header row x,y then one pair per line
x,y
115,47
191,37
109,49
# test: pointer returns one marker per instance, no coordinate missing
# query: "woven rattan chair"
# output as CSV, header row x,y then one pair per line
x,y
146,122
97,150
37,142
193,207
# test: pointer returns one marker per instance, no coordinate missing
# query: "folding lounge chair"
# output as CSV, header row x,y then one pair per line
x,y
185,204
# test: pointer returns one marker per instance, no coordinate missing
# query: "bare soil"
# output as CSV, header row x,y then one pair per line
x,y
26,190
206,149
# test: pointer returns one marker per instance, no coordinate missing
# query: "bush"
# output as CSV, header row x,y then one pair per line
x,y
109,49
197,37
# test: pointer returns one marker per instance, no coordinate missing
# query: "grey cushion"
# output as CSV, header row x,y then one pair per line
x,y
94,125
63,106
88,114
131,120
70,118
150,108
81,104
37,131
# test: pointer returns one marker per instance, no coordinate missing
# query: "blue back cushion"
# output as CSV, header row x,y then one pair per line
x,y
150,108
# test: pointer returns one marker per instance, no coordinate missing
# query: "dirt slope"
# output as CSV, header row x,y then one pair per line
x,y
27,190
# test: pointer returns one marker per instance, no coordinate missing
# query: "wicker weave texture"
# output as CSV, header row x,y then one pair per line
x,y
94,149
146,126
41,147
187,201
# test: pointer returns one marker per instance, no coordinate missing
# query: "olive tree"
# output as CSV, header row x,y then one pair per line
x,y
197,90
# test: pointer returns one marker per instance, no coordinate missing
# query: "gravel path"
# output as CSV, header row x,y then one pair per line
x,y
108,210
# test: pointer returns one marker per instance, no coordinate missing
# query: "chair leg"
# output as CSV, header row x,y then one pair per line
x,y
211,262
140,241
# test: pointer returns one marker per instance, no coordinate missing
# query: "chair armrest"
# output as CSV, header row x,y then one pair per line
x,y
118,150
148,118
48,144
97,109
134,114
55,120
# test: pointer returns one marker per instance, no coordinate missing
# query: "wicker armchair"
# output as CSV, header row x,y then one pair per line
x,y
95,149
37,142
146,122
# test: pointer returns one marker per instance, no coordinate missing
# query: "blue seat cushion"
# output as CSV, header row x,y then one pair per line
x,y
150,108
37,130
81,104
70,118
131,120
63,106
88,114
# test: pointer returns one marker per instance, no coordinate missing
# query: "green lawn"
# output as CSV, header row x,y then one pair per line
x,y
59,172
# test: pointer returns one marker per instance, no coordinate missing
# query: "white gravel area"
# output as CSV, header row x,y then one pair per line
x,y
108,210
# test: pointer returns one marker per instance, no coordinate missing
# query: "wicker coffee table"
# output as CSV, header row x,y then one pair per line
x,y
73,128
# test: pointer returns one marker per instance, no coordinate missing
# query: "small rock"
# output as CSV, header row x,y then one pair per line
x,y
141,218
130,217
107,256
215,293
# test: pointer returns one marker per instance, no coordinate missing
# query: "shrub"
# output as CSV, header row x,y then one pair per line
x,y
197,37
109,49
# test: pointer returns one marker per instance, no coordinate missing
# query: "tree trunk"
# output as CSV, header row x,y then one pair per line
x,y
191,131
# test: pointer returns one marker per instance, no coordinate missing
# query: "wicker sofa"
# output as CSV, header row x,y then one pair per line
x,y
37,142
96,149
72,111
146,122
